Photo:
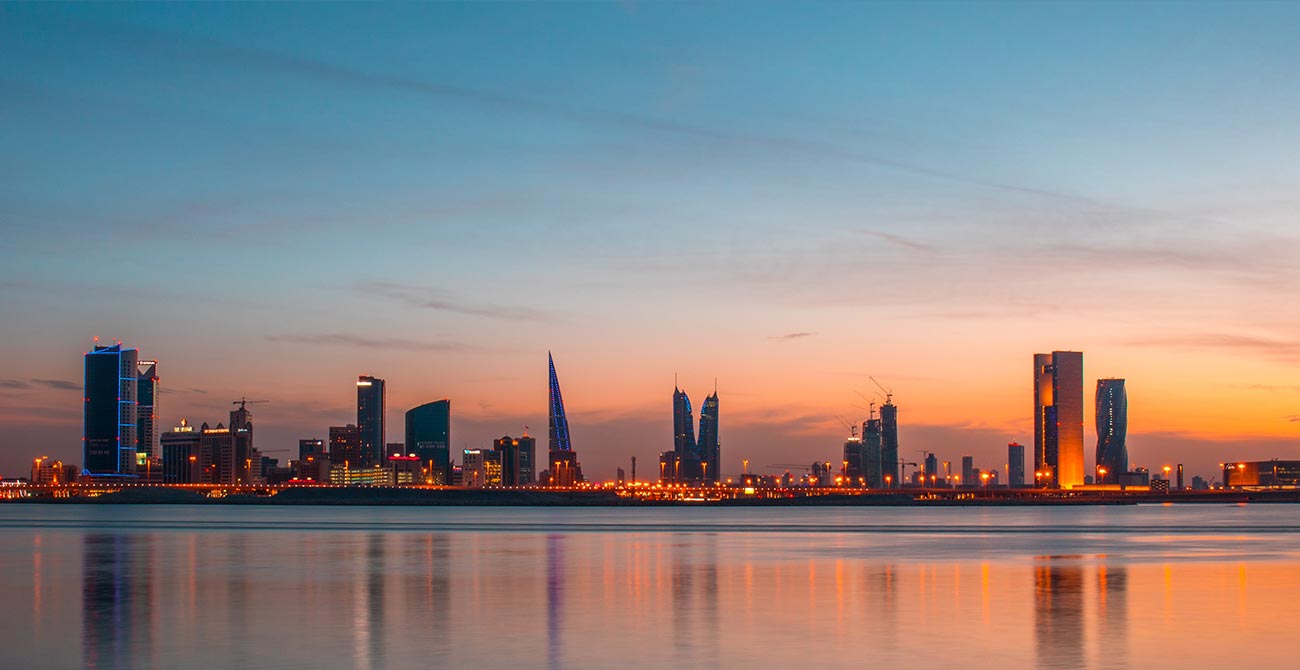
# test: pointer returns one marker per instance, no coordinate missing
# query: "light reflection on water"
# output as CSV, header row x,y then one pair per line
x,y
269,587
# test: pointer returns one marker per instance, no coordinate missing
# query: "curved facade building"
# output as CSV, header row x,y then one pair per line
x,y
1112,430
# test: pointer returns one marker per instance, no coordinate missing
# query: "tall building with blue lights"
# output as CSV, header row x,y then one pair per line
x,y
109,416
562,464
1112,430
693,461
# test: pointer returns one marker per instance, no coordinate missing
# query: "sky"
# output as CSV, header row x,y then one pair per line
x,y
789,199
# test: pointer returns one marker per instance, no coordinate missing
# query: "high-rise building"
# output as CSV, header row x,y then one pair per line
x,y
852,463
247,460
710,448
931,472
559,428
517,456
345,446
889,442
1015,464
110,420
968,474
370,418
872,472
562,463
180,455
428,435
146,432
1112,430
312,446
1058,419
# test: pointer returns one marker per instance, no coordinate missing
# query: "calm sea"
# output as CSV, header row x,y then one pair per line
x,y
366,587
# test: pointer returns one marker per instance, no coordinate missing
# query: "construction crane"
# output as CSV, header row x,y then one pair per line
x,y
889,393
245,401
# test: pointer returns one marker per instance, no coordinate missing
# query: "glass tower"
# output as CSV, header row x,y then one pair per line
x,y
1112,430
428,435
146,433
109,417
370,418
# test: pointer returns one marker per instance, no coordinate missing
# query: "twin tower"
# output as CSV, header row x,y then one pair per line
x,y
692,461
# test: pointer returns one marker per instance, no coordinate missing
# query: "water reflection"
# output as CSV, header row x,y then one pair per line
x,y
383,598
1058,615
116,595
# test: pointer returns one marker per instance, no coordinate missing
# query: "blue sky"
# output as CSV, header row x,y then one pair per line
x,y
275,198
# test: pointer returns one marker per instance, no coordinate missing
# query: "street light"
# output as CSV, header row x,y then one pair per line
x,y
985,477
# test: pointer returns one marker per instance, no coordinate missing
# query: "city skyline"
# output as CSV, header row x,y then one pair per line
x,y
1095,178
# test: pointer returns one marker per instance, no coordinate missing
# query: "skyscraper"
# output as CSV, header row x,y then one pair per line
x,y
146,432
109,417
562,463
1015,464
1112,430
428,435
684,444
1058,419
889,442
559,438
872,472
710,449
370,418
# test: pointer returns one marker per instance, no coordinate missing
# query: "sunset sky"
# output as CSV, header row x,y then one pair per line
x,y
274,199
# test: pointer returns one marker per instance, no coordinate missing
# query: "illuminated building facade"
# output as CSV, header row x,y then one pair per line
x,y
1112,430
370,418
180,455
695,461
428,436
109,416
47,471
562,462
1275,473
1058,419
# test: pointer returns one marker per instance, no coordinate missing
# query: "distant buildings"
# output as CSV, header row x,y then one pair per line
x,y
109,415
873,473
969,477
1058,419
345,446
312,446
517,457
47,471
428,436
1112,430
693,461
370,419
1015,465
180,455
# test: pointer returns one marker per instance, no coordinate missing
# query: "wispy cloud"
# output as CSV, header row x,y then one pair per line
x,y
345,340
208,50
60,384
896,240
791,336
1286,350
1294,418
426,298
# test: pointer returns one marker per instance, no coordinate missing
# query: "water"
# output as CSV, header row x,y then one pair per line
x,y
364,587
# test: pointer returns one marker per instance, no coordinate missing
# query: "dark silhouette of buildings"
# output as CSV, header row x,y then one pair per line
x,y
110,419
889,442
313,446
428,436
691,460
370,419
345,446
180,455
1015,464
873,473
709,447
517,459
1058,419
1112,430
